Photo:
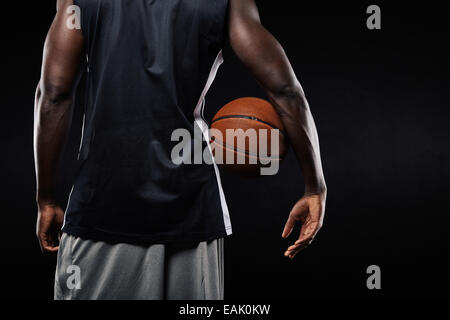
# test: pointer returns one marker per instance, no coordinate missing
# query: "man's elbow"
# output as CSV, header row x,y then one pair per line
x,y
290,99
54,92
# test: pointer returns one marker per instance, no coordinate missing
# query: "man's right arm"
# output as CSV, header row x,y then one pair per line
x,y
265,58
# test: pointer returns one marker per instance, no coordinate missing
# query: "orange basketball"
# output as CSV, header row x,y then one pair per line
x,y
246,135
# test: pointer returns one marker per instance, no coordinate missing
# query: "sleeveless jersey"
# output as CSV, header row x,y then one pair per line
x,y
149,64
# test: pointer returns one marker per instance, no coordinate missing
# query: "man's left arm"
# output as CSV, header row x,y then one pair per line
x,y
52,116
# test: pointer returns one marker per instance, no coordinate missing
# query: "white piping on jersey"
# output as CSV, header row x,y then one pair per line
x,y
200,120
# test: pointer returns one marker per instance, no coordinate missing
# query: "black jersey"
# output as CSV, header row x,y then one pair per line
x,y
149,64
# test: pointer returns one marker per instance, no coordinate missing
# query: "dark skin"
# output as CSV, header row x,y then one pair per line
x,y
258,50
261,53
53,112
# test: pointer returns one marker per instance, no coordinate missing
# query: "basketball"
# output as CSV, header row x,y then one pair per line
x,y
247,135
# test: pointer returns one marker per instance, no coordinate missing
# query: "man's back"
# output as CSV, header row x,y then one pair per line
x,y
148,63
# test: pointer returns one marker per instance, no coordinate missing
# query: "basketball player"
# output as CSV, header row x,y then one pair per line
x,y
137,226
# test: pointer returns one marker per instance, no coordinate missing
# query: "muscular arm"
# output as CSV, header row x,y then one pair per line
x,y
265,58
52,116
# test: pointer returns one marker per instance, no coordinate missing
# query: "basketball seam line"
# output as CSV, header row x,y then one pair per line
x,y
249,118
238,150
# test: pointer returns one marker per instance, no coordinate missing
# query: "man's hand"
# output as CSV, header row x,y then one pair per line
x,y
48,227
309,211
62,60
263,55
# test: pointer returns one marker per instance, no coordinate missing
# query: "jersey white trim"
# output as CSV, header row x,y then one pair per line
x,y
199,119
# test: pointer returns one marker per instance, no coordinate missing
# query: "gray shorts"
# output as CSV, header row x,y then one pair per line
x,y
91,270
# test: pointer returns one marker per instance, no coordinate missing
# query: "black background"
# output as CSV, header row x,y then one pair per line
x,y
381,103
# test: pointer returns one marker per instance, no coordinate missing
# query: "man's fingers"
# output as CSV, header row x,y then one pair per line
x,y
297,244
295,252
308,230
47,243
49,249
290,223
292,253
307,234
